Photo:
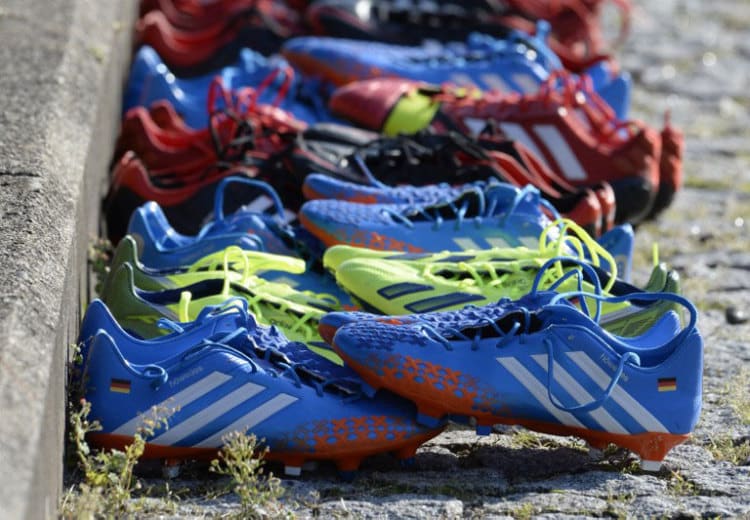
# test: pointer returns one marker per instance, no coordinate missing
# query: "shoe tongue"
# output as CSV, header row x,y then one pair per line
x,y
229,321
502,194
472,198
565,312
505,196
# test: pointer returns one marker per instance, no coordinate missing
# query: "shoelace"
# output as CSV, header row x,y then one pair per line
x,y
258,336
431,213
278,263
251,262
219,217
517,327
443,337
561,92
522,324
258,294
423,148
310,91
276,222
571,239
459,211
299,372
240,126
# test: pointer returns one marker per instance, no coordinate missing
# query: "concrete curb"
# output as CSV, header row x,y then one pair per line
x,y
62,65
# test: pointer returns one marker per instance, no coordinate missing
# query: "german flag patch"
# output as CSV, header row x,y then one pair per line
x,y
121,386
667,384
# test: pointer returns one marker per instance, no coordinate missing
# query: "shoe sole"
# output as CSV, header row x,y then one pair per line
x,y
346,459
651,447
664,198
634,199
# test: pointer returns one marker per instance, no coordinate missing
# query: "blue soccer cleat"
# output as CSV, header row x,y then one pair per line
x,y
320,186
212,379
545,365
275,81
517,63
499,216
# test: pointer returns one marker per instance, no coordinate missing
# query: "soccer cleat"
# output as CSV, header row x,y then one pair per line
x,y
367,157
270,342
273,81
162,247
220,375
427,158
518,62
566,125
500,216
391,287
575,31
639,316
544,365
200,51
583,206
233,262
187,205
403,23
395,284
239,129
319,186
264,217
618,244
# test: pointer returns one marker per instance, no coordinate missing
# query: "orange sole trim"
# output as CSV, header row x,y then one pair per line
x,y
346,458
652,446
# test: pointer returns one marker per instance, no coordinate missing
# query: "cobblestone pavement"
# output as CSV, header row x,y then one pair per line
x,y
693,58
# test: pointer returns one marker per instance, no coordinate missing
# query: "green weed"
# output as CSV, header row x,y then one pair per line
x,y
108,480
241,460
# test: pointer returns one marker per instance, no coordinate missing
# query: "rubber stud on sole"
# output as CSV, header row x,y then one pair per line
x,y
292,471
652,466
347,476
428,416
310,465
484,429
170,469
368,390
595,453
407,463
